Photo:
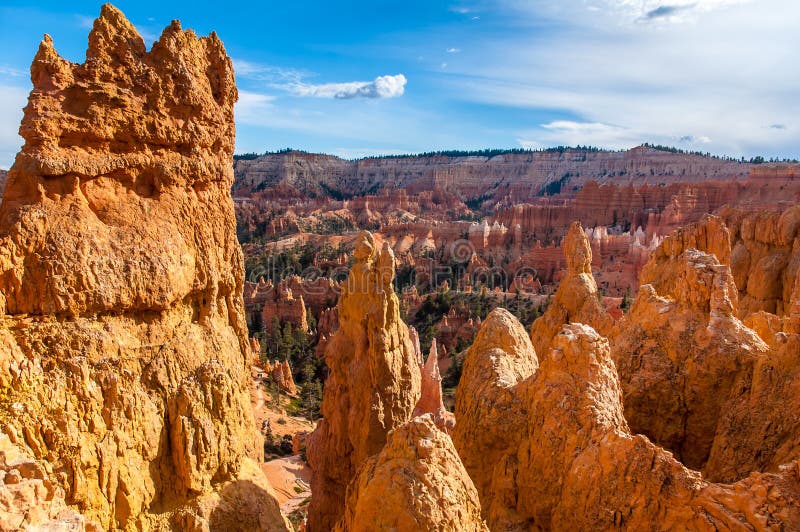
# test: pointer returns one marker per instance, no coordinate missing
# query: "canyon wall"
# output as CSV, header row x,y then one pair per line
x,y
124,346
516,176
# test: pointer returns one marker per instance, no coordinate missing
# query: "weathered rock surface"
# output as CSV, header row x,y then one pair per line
x,y
681,352
576,300
373,385
122,327
765,258
576,464
29,500
489,411
281,374
431,400
416,482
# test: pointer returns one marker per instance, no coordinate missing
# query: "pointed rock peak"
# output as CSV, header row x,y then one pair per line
x,y
48,67
113,36
432,364
46,49
577,250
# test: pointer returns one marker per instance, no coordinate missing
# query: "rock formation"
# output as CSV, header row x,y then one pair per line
x,y
373,385
430,400
122,331
29,500
520,175
416,482
489,411
575,464
764,258
682,351
281,374
576,300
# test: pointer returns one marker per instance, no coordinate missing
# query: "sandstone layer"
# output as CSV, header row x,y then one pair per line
x,y
489,410
373,385
765,258
122,325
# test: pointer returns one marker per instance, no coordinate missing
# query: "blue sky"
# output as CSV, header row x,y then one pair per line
x,y
365,77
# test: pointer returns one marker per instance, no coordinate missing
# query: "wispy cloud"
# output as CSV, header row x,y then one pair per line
x,y
268,73
664,83
12,72
453,50
666,11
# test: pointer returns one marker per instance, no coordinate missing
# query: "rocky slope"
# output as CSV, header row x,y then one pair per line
x,y
127,352
765,257
373,385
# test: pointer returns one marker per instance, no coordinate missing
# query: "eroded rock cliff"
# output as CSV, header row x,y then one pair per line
x,y
576,465
681,351
373,385
121,318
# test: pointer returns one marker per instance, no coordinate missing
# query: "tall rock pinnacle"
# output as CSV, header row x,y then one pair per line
x,y
373,386
121,284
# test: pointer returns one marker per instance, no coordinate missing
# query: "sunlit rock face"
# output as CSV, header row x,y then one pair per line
x,y
373,385
123,333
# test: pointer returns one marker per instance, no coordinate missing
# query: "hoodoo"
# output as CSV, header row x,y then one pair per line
x,y
124,341
373,386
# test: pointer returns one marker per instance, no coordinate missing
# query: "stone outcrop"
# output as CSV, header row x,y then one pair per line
x,y
765,258
575,464
29,500
122,330
489,410
373,385
281,374
681,352
758,429
416,482
431,400
520,175
576,300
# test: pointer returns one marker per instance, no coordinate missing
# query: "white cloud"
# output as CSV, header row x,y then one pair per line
x,y
267,73
294,81
380,87
453,50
